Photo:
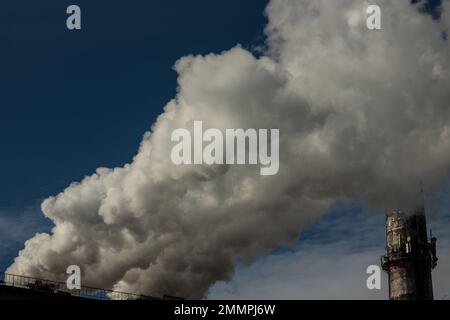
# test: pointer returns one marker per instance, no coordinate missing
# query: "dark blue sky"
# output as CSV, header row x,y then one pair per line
x,y
72,101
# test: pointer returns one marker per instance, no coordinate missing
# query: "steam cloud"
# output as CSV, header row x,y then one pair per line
x,y
363,115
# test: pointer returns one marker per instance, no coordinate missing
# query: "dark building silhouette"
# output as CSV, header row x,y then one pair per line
x,y
17,287
410,257
17,293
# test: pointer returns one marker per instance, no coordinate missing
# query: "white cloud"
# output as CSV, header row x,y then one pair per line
x,y
362,115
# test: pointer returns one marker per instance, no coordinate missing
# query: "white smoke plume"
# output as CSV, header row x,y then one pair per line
x,y
363,115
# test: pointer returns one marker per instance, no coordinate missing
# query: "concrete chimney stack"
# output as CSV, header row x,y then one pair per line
x,y
410,257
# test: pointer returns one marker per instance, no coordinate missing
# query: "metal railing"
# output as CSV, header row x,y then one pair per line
x,y
55,287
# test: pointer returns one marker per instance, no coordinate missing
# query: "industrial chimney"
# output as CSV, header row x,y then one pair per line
x,y
410,257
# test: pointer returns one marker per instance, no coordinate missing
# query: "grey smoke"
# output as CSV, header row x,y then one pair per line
x,y
363,115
